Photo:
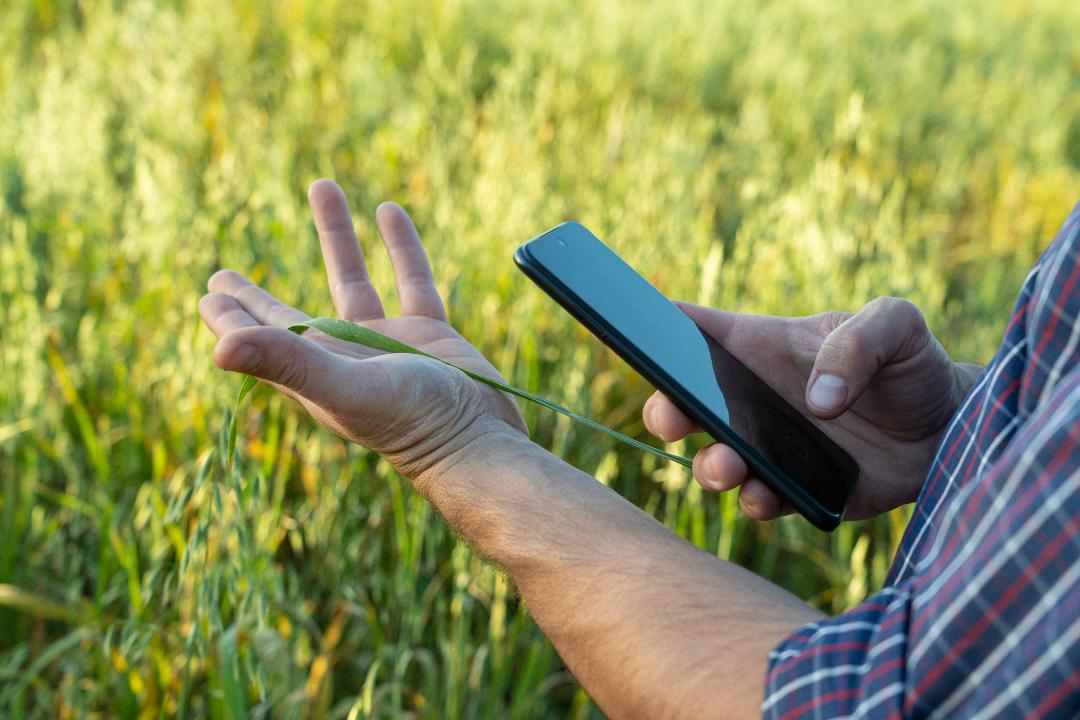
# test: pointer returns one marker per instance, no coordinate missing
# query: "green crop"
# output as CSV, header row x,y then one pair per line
x,y
784,158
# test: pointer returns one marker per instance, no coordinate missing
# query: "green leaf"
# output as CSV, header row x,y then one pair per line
x,y
351,332
249,383
234,702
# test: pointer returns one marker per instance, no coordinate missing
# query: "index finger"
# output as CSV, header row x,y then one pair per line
x,y
355,297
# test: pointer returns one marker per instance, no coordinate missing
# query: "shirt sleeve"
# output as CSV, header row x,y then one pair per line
x,y
990,627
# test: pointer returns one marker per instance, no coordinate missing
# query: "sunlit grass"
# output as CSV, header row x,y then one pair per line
x,y
766,157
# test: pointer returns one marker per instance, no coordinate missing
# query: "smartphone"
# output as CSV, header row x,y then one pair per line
x,y
812,474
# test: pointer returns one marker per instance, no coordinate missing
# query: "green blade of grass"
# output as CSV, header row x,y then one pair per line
x,y
351,332
249,384
234,701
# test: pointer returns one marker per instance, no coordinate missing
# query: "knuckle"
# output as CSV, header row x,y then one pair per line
x,y
895,308
846,343
348,280
293,373
902,317
415,279
248,293
827,322
843,352
277,309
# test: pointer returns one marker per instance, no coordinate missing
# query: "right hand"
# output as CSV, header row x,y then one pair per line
x,y
878,383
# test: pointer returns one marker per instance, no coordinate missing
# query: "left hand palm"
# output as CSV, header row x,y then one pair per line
x,y
413,410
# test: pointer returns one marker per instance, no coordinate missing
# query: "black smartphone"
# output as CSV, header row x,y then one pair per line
x,y
813,474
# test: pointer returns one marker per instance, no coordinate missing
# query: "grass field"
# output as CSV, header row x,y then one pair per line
x,y
760,156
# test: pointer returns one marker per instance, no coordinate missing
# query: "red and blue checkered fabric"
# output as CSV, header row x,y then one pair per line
x,y
980,616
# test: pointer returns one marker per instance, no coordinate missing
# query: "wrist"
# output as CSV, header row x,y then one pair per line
x,y
528,511
487,443
475,482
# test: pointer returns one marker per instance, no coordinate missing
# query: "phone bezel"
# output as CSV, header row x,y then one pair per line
x,y
786,486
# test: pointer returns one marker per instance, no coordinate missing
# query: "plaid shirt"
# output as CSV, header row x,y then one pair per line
x,y
980,615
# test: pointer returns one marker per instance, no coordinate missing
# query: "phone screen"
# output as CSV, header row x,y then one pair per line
x,y
706,381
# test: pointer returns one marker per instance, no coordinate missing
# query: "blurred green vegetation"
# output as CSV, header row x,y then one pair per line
x,y
760,156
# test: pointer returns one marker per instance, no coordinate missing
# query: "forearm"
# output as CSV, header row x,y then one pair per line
x,y
650,625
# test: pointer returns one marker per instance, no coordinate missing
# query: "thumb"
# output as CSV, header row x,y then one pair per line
x,y
279,356
886,330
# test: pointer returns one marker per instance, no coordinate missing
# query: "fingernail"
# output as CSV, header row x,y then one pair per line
x,y
246,357
828,392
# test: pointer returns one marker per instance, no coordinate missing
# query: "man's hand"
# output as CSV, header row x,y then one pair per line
x,y
630,606
416,412
878,383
